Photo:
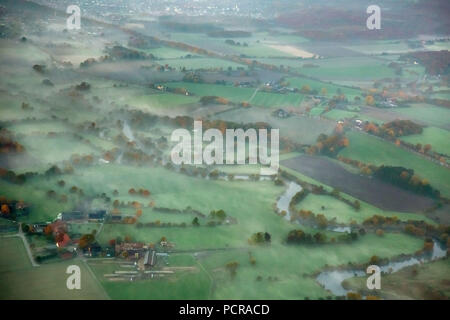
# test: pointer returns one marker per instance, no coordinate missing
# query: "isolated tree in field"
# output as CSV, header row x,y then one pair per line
x,y
5,209
370,100
195,222
305,89
323,91
427,148
232,267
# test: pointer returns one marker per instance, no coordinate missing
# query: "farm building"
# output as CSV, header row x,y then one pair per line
x,y
97,216
150,258
71,216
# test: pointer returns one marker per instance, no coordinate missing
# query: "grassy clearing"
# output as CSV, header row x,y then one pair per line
x,y
372,150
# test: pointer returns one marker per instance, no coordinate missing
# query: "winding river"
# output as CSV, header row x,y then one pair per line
x,y
285,199
332,280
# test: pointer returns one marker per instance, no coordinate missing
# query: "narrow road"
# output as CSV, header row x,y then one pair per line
x,y
27,246
21,235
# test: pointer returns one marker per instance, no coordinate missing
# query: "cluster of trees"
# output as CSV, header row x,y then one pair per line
x,y
425,149
406,178
435,62
8,143
402,127
213,100
83,86
367,169
12,177
298,236
159,224
329,145
141,42
260,238
232,267
10,208
122,53
299,196
218,215
141,192
235,43
319,220
91,61
39,68
230,34
378,220
393,129
414,230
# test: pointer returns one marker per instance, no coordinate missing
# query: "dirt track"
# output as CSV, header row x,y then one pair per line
x,y
371,190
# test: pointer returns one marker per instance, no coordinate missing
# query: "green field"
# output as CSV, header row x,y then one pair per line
x,y
166,53
299,129
369,149
354,68
182,285
19,280
199,63
337,114
331,89
431,115
334,208
316,111
162,100
236,94
438,138
259,44
288,264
